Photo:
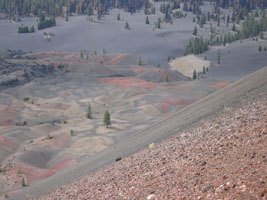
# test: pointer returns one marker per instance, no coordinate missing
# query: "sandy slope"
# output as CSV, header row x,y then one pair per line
x,y
187,64
249,88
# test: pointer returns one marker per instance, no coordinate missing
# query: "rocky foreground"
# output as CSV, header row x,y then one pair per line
x,y
223,158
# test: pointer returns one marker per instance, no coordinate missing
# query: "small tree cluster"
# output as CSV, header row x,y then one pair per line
x,y
197,45
25,29
45,23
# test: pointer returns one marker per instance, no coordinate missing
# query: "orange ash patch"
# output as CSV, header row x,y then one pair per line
x,y
176,102
163,106
220,85
7,142
128,82
117,59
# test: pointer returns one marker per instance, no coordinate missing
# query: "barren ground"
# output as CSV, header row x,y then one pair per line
x,y
35,139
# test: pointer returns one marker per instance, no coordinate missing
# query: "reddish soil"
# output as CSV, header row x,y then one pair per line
x,y
220,85
77,60
8,109
118,59
176,102
138,93
139,70
128,82
8,143
163,106
64,164
51,54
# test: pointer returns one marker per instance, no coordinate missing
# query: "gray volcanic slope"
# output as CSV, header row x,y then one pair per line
x,y
249,88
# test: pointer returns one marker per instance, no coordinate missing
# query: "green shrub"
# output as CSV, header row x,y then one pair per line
x,y
26,99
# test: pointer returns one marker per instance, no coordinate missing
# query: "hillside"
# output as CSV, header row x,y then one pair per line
x,y
246,90
223,158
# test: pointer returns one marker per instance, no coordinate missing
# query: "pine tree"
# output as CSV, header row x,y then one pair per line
x,y
140,61
71,132
157,25
32,29
233,28
23,184
167,78
260,48
90,11
194,74
219,57
127,27
89,112
195,31
118,17
81,54
147,20
261,36
106,120
204,70
265,48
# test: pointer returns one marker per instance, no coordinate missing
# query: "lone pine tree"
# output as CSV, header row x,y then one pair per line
x,y
106,120
204,70
23,184
219,57
89,112
140,61
147,20
127,27
167,78
194,74
195,31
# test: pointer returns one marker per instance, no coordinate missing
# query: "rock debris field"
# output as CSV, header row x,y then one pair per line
x,y
223,158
